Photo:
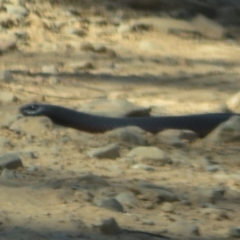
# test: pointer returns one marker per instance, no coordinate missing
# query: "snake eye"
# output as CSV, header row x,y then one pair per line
x,y
33,108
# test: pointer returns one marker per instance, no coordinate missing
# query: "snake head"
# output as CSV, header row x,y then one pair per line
x,y
31,109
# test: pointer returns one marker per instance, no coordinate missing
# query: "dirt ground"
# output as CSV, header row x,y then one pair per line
x,y
46,199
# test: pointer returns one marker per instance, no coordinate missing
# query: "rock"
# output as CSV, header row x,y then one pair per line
x,y
8,20
148,222
127,199
177,138
110,204
215,214
10,161
16,9
49,69
75,31
150,155
208,164
233,103
7,97
86,46
110,151
234,232
7,175
7,42
110,227
183,228
204,196
228,131
143,167
34,126
6,76
208,28
131,135
91,179
213,168
115,108
157,195
80,65
4,142
167,207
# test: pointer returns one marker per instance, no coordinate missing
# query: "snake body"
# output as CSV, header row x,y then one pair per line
x,y
202,124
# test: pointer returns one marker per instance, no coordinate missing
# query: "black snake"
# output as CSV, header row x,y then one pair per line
x,y
202,124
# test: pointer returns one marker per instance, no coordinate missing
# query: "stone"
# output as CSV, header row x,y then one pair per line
x,y
110,227
110,204
150,155
183,228
10,161
110,151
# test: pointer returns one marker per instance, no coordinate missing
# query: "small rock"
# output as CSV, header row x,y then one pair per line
x,y
110,151
157,195
234,232
91,179
110,204
213,168
10,161
183,228
110,227
132,135
49,69
208,28
143,167
204,196
86,46
7,174
177,138
15,9
215,214
6,76
150,155
75,31
148,222
234,102
228,131
167,207
7,43
99,48
4,142
127,199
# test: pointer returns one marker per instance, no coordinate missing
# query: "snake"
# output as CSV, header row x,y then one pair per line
x,y
202,124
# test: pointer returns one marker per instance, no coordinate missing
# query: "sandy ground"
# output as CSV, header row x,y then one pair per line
x,y
173,75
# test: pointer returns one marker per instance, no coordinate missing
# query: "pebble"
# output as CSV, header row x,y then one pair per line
x,y
108,152
234,232
109,227
6,76
15,9
7,43
131,135
127,199
150,155
110,204
10,161
183,228
226,132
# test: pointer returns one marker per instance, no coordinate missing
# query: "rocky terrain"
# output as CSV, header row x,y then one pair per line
x,y
119,58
